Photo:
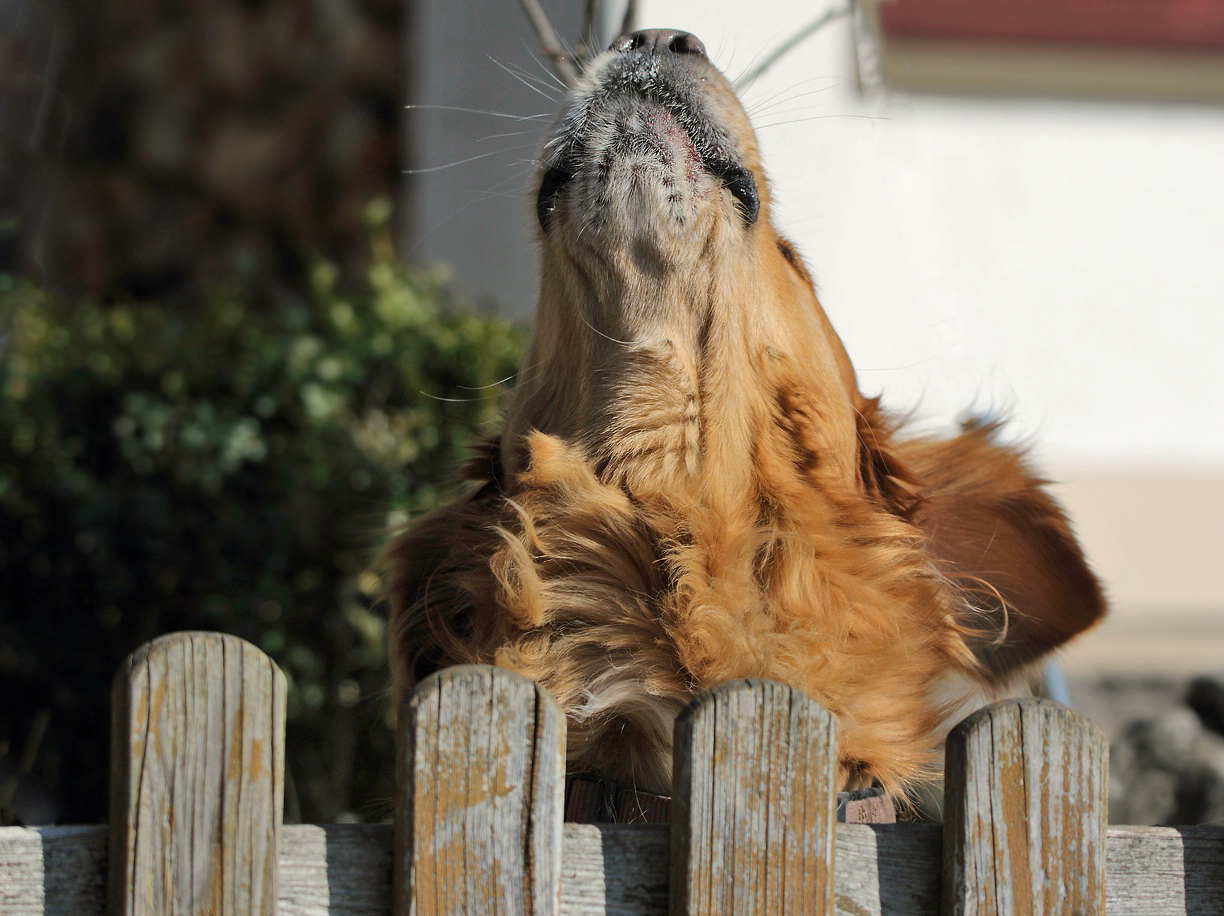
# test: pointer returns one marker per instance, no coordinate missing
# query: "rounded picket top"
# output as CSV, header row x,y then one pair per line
x,y
481,783
754,802
1025,808
197,773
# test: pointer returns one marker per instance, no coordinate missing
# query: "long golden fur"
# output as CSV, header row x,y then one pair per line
x,y
690,487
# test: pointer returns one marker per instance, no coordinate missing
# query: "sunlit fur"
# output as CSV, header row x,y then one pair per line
x,y
690,488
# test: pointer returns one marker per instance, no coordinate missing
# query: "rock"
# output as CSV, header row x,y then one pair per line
x,y
1206,697
1165,741
1140,797
1167,770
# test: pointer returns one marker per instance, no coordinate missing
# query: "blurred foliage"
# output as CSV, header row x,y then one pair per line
x,y
227,469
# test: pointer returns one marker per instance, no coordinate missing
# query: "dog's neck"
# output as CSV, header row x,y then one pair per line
x,y
669,378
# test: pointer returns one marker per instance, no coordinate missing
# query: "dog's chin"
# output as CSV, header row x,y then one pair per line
x,y
642,184
643,158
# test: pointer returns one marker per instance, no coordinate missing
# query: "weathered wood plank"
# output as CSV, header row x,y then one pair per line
x,y
335,870
616,870
481,783
197,776
888,869
753,803
1165,871
1024,819
53,870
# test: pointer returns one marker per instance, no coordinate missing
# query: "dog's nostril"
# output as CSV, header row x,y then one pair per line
x,y
686,43
656,40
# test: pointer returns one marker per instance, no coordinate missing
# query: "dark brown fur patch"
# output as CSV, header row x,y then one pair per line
x,y
794,420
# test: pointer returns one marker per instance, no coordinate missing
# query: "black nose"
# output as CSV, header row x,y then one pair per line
x,y
659,40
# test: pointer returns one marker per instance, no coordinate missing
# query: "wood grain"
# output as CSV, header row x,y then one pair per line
x,y
335,870
480,795
1165,871
197,776
753,803
1025,812
617,870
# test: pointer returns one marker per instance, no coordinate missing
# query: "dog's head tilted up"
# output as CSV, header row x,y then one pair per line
x,y
690,487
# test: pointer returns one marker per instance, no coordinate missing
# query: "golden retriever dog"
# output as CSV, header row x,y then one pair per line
x,y
690,487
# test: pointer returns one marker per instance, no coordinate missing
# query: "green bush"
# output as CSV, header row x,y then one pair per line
x,y
228,468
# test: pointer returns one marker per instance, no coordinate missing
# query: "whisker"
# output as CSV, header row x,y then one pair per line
x,y
494,194
451,165
534,83
523,374
438,397
900,367
623,343
508,134
483,111
549,83
548,72
488,386
856,117
781,97
791,43
747,69
487,194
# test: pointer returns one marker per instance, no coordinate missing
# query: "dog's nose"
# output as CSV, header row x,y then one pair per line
x,y
659,40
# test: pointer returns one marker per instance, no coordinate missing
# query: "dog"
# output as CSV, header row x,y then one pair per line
x,y
689,486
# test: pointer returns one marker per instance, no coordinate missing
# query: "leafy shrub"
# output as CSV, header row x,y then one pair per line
x,y
228,469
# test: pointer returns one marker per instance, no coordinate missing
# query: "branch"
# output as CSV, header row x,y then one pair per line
x,y
789,45
588,32
630,18
551,44
868,62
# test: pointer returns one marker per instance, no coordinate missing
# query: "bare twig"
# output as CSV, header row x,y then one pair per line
x,y
593,45
629,21
791,43
588,32
562,61
869,66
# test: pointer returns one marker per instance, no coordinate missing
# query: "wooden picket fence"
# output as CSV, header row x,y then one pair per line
x,y
197,780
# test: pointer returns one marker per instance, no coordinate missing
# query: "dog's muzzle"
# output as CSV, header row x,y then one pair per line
x,y
651,67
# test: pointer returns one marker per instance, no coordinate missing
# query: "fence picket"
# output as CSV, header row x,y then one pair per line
x,y
196,796
753,803
481,783
1025,812
197,776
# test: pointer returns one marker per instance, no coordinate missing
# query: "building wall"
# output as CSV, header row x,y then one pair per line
x,y
482,99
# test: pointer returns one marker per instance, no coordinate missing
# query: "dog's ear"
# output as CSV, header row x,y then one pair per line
x,y
1000,540
423,582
